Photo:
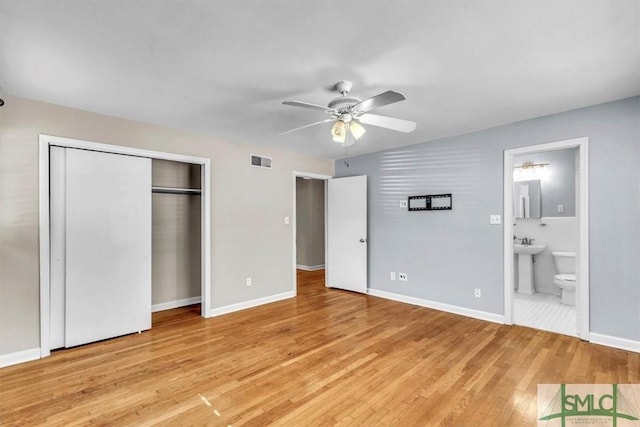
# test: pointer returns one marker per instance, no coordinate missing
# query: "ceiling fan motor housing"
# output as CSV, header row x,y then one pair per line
x,y
343,104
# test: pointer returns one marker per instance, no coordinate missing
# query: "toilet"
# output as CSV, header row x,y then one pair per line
x,y
565,278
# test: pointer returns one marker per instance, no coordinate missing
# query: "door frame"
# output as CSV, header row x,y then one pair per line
x,y
294,222
46,141
582,267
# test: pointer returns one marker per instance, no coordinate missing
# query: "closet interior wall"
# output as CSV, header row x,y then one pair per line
x,y
175,235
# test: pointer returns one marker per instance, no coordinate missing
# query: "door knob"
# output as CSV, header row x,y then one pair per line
x,y
363,240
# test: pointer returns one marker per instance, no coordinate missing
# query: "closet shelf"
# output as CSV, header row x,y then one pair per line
x,y
173,190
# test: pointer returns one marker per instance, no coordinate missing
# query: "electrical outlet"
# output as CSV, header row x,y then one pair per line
x,y
560,208
403,203
249,282
495,219
393,275
478,293
286,220
402,276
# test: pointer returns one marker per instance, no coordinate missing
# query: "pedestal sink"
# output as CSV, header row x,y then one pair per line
x,y
525,255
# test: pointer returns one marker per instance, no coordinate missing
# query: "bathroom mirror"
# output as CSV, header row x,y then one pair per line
x,y
526,199
557,180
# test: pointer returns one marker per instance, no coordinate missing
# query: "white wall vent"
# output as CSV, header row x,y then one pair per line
x,y
261,162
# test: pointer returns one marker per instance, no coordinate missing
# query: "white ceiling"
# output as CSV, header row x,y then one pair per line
x,y
223,67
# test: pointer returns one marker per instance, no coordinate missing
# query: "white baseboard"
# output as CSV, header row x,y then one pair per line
x,y
310,267
19,357
252,303
476,314
175,304
615,342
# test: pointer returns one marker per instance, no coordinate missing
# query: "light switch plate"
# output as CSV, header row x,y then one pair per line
x,y
286,220
495,219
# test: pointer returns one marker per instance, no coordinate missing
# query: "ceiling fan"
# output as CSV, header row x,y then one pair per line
x,y
348,112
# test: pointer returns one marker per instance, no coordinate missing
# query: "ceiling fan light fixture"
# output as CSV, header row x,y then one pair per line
x,y
339,131
356,130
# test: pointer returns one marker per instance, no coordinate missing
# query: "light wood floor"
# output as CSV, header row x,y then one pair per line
x,y
327,357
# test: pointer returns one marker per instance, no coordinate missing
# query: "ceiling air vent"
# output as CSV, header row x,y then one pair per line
x,y
261,162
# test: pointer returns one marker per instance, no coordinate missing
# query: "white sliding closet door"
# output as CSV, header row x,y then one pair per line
x,y
57,192
108,246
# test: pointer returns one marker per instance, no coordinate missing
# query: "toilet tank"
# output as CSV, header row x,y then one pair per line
x,y
565,262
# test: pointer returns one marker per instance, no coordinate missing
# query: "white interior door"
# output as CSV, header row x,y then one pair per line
x,y
347,233
108,246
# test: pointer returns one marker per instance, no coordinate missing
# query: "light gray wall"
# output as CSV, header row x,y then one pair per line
x,y
176,233
248,234
558,183
448,254
310,222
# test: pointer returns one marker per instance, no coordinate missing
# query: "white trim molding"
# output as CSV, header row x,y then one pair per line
x,y
175,304
615,342
19,357
252,303
309,267
454,309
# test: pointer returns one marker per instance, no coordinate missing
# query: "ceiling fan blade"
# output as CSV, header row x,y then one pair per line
x,y
307,105
384,98
306,126
388,122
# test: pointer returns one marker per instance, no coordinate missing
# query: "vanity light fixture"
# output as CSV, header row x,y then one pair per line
x,y
529,170
531,165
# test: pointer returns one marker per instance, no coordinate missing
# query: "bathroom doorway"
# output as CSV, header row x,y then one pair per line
x,y
546,269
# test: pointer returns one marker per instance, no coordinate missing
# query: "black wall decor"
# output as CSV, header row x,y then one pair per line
x,y
431,202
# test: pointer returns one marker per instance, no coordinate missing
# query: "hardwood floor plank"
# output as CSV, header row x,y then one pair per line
x,y
326,357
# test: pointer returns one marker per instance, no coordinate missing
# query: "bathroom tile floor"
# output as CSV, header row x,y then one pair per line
x,y
544,311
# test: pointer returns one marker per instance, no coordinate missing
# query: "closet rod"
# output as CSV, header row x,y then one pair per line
x,y
172,190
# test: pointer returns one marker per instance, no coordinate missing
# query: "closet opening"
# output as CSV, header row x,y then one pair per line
x,y
175,240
